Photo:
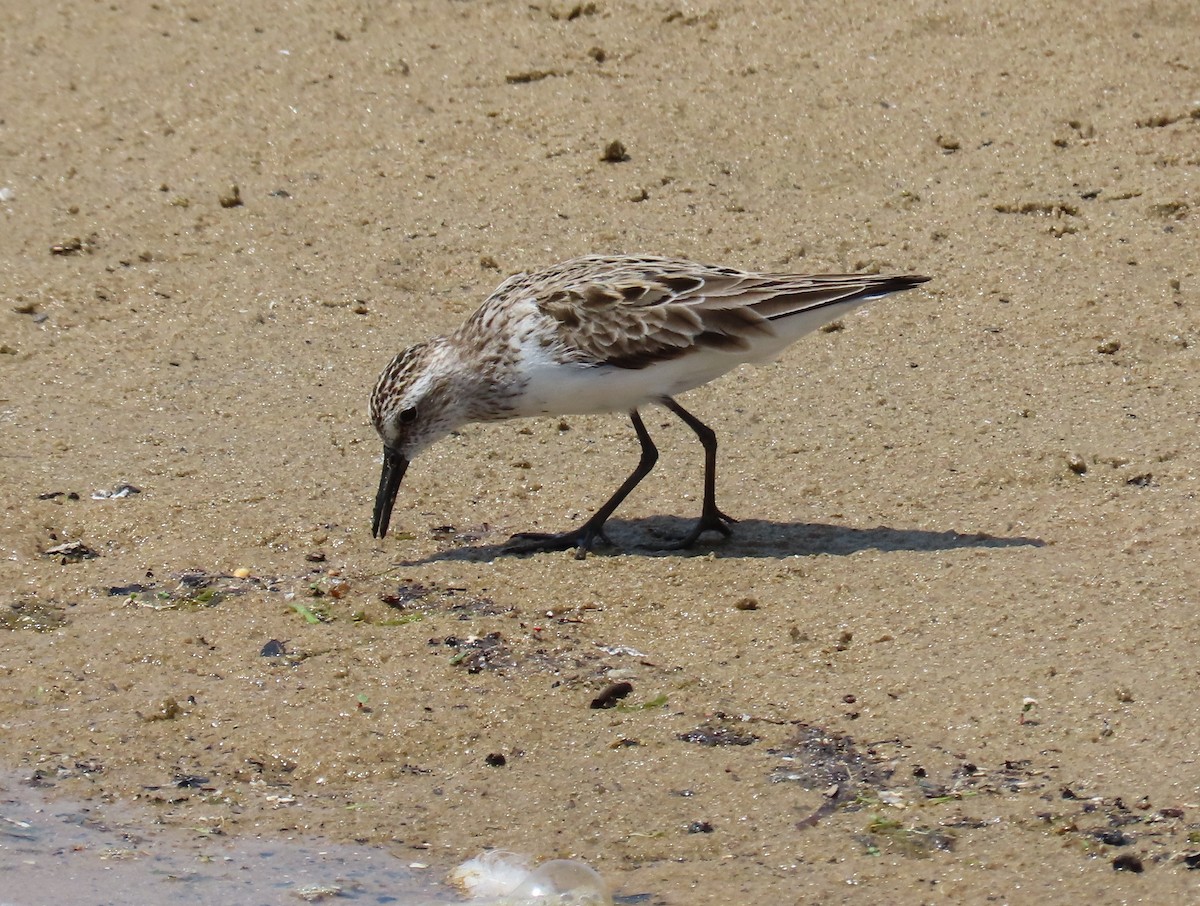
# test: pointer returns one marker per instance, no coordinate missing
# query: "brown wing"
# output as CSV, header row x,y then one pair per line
x,y
633,312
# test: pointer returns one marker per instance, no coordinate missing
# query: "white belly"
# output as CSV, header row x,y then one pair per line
x,y
557,389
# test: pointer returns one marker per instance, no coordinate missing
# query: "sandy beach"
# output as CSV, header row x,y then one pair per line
x,y
949,654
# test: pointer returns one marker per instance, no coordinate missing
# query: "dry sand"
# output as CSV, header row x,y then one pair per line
x,y
969,518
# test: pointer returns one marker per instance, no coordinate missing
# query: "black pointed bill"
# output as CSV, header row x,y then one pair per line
x,y
394,467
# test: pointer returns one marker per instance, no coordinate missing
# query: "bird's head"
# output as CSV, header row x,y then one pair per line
x,y
412,406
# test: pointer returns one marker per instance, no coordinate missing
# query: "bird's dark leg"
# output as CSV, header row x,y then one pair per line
x,y
711,518
584,537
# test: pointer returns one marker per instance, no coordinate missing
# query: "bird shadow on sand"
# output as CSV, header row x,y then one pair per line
x,y
752,538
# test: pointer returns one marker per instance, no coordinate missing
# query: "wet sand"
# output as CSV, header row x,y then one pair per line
x,y
949,654
54,850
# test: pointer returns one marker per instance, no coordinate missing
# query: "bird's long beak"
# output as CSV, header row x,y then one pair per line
x,y
394,466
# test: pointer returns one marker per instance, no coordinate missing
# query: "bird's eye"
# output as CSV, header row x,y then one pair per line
x,y
408,416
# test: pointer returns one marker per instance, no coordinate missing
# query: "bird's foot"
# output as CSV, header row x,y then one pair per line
x,y
711,520
582,540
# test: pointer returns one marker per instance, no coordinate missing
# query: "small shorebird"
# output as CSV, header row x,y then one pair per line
x,y
601,334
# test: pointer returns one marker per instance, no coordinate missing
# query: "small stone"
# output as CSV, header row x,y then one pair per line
x,y
612,694
746,604
1076,464
232,198
1128,862
71,552
614,153
1108,347
71,246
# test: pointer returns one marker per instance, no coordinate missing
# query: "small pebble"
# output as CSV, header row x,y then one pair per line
x,y
614,153
611,695
67,246
231,199
1128,862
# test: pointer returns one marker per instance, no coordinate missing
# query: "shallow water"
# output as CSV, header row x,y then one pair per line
x,y
59,851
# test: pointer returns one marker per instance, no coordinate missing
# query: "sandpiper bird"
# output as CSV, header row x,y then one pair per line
x,y
601,334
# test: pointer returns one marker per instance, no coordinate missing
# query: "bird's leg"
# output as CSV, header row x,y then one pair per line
x,y
711,518
585,537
